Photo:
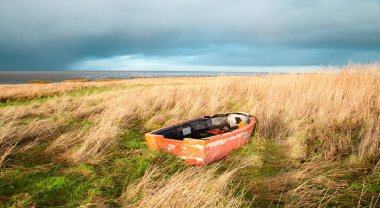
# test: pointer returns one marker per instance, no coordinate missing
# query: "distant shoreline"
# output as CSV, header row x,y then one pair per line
x,y
26,77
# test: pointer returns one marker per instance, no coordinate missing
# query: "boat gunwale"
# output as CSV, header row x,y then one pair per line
x,y
253,123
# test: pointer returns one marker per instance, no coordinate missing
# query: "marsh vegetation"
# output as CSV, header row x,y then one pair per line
x,y
81,143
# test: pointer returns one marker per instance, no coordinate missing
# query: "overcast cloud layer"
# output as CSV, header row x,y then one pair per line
x,y
89,34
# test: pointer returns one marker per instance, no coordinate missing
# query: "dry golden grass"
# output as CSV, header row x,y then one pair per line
x,y
187,188
39,82
318,117
30,91
76,80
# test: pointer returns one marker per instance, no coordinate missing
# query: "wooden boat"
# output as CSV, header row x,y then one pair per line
x,y
204,140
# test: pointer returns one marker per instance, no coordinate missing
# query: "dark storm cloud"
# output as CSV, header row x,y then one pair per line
x,y
42,34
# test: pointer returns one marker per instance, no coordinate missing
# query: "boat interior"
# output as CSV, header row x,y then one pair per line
x,y
203,128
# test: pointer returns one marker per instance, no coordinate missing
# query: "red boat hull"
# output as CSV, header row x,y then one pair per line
x,y
201,152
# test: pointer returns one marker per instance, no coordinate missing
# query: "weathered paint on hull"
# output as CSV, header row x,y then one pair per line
x,y
201,152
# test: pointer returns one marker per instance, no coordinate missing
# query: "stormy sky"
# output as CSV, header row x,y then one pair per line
x,y
186,34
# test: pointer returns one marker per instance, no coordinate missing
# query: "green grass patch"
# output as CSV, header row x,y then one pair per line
x,y
132,139
365,186
22,102
46,189
55,190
